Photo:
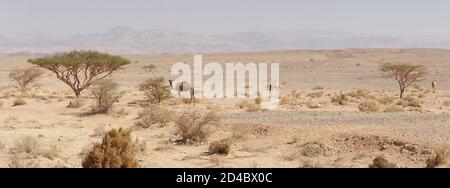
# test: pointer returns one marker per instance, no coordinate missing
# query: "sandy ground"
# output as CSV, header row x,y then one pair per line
x,y
308,130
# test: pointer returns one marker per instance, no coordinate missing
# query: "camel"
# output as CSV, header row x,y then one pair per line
x,y
181,87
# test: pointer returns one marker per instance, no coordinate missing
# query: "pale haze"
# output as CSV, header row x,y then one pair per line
x,y
66,18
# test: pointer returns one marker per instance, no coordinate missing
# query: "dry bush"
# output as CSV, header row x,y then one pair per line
x,y
99,131
19,102
27,144
439,159
249,106
25,77
117,150
340,99
152,115
318,88
105,93
50,153
369,105
258,100
154,90
313,105
76,103
314,149
393,109
149,68
18,162
220,147
238,132
409,101
445,103
382,162
1,104
316,94
386,100
192,126
360,93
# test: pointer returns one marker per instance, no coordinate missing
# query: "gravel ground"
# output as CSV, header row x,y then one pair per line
x,y
336,118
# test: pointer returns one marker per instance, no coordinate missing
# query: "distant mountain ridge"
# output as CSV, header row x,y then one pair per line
x,y
123,40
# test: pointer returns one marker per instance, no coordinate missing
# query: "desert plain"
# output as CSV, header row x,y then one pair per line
x,y
310,128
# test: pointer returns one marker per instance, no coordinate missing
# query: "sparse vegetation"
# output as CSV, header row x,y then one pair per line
x,y
152,115
393,109
76,103
105,93
220,147
369,105
193,126
316,94
19,102
445,103
409,101
258,100
318,88
154,90
25,77
117,150
249,106
27,144
382,162
80,69
404,74
340,99
386,100
149,68
440,158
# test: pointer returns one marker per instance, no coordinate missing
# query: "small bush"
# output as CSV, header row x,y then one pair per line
x,y
316,94
369,106
153,114
318,88
249,106
340,99
154,90
106,94
193,126
76,103
149,68
382,162
17,162
25,77
27,144
258,100
393,109
360,93
439,159
117,150
50,153
220,147
445,103
409,101
19,102
385,100
1,104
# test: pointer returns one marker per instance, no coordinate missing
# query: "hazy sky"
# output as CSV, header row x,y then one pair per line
x,y
64,17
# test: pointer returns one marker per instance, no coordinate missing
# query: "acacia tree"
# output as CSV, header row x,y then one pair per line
x,y
404,74
79,69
